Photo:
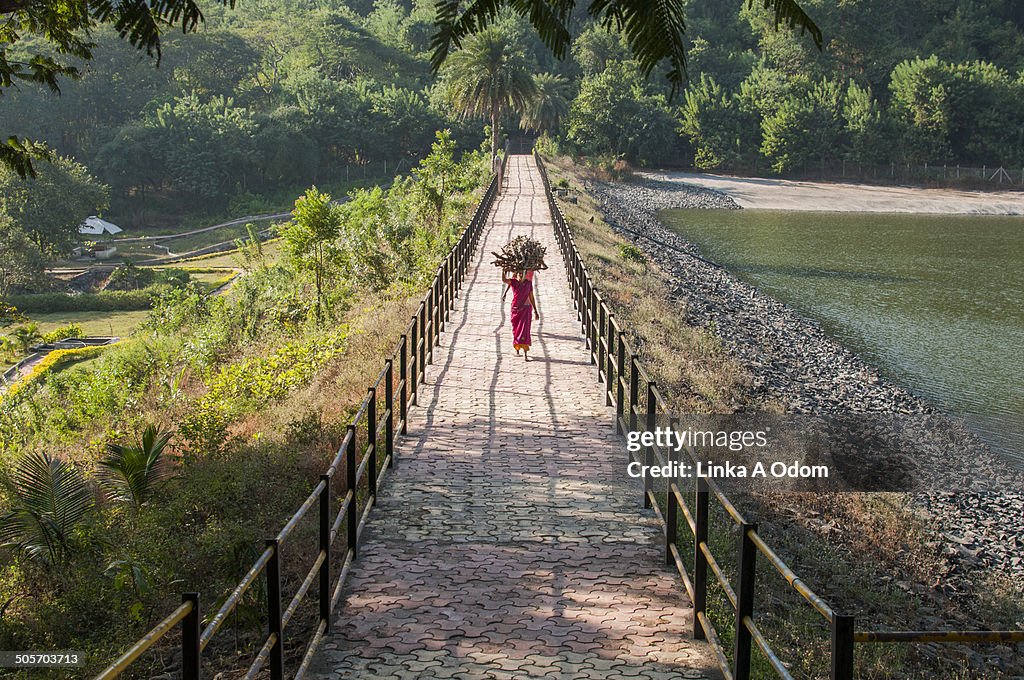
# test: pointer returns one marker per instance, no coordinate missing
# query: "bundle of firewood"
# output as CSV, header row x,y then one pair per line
x,y
520,254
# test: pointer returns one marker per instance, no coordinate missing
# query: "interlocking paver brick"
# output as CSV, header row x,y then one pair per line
x,y
508,541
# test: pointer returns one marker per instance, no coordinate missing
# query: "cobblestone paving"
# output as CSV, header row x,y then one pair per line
x,y
508,543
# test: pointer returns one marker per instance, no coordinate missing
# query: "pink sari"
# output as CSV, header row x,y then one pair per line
x,y
522,314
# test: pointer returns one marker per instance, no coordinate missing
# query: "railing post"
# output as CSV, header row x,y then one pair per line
x,y
414,373
744,602
652,407
842,647
403,371
671,517
352,514
700,561
634,392
389,404
371,442
609,367
430,328
274,623
620,388
422,377
325,548
599,333
190,653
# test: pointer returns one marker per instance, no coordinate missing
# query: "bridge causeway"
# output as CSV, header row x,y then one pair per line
x,y
508,542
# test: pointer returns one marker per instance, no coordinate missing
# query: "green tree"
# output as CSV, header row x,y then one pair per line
x,y
867,126
549,106
487,78
26,335
131,473
615,113
50,500
714,123
22,266
63,32
310,238
596,47
805,128
50,208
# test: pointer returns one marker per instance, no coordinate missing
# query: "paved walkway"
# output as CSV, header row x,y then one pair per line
x,y
509,542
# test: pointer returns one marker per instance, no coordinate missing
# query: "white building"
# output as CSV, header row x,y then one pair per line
x,y
94,226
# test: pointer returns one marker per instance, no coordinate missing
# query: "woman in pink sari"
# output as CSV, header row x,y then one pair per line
x,y
524,310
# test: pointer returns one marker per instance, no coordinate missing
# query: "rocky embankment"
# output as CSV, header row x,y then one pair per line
x,y
793,362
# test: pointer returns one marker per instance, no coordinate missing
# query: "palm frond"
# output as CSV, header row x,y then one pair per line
x,y
51,498
548,17
789,12
131,473
654,30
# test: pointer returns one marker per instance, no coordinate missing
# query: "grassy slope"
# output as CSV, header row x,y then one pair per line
x,y
873,560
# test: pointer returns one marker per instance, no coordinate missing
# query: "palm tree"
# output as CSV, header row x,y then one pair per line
x,y
549,106
131,473
654,29
50,499
26,335
487,77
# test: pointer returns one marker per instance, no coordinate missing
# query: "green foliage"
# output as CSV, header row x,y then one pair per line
x,y
50,500
549,106
715,124
132,472
26,335
310,238
49,208
631,253
71,330
488,77
104,301
616,113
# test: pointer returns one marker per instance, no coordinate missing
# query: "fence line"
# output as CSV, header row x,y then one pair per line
x,y
358,464
621,372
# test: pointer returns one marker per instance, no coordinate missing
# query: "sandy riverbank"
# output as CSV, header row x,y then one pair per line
x,y
781,194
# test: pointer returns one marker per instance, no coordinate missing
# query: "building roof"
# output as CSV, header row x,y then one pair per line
x,y
95,226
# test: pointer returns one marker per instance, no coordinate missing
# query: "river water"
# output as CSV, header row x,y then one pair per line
x,y
935,302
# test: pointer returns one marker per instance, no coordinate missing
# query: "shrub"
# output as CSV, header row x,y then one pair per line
x,y
104,301
49,362
72,330
631,253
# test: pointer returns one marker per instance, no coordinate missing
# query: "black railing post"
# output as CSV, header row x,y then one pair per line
x,y
352,514
190,652
610,366
275,626
403,372
389,404
620,379
430,327
652,407
842,647
634,392
599,334
422,344
414,374
371,442
744,602
325,548
700,561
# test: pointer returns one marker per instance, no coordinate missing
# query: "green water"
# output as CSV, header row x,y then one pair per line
x,y
935,302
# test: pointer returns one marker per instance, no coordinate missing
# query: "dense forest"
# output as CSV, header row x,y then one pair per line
x,y
272,97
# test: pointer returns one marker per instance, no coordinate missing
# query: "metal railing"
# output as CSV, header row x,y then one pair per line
x,y
620,370
358,464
